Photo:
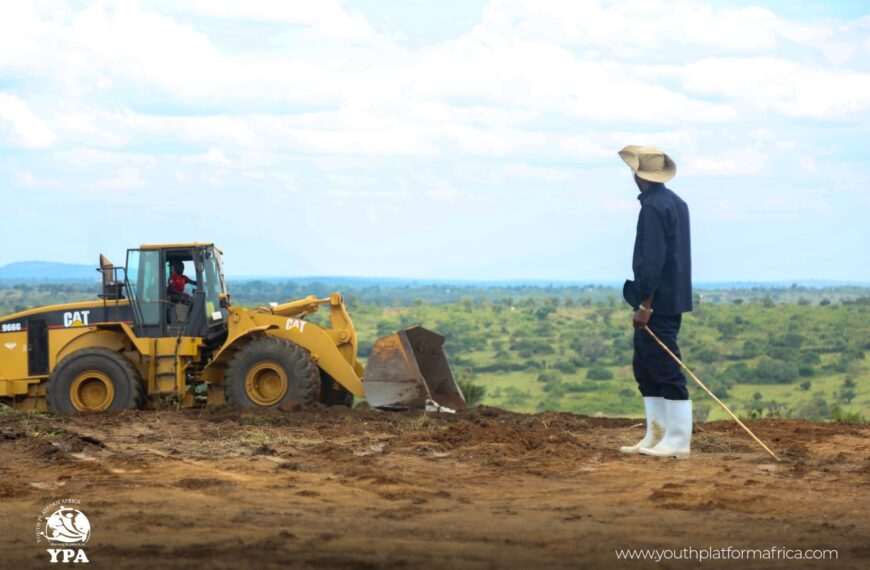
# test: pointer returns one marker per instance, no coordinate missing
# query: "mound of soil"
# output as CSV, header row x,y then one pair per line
x,y
484,488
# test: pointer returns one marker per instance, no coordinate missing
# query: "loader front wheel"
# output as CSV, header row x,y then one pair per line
x,y
332,393
94,380
269,372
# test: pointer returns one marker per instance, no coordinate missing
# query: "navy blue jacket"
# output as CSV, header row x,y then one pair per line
x,y
662,261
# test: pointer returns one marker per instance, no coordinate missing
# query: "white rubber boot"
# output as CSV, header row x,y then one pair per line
x,y
655,425
678,431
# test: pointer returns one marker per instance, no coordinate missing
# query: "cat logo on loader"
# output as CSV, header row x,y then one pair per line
x,y
142,339
75,319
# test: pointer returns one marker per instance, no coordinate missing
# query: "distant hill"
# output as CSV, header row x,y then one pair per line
x,y
55,272
26,271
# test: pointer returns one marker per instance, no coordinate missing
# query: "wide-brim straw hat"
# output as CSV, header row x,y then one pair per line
x,y
649,163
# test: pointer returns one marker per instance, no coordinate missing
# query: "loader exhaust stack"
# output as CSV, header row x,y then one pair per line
x,y
409,370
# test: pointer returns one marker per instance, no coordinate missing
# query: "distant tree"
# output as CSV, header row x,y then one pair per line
x,y
739,373
751,349
594,348
817,409
793,340
544,311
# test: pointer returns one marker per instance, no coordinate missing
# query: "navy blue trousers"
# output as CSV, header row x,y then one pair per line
x,y
657,374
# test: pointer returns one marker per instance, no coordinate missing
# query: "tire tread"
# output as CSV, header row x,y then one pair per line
x,y
303,373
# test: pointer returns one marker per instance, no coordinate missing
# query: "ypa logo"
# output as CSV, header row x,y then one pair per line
x,y
76,318
66,529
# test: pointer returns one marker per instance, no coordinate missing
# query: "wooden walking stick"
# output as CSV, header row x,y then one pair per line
x,y
709,393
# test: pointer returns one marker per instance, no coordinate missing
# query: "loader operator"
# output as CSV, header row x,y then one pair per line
x,y
659,294
177,280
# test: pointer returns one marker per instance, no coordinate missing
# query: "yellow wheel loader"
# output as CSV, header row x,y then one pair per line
x,y
164,326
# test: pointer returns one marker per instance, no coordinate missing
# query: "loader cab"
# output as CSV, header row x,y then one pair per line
x,y
158,310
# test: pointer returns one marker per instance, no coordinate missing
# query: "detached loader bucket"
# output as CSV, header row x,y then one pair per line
x,y
409,370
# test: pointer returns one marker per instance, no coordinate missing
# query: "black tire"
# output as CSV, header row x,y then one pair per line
x,y
272,356
102,364
332,393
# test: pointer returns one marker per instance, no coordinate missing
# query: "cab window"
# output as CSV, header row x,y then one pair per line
x,y
144,285
213,286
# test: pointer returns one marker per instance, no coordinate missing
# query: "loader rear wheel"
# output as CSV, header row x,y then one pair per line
x,y
269,372
94,380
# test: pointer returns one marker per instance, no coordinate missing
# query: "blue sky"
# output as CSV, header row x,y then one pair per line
x,y
436,139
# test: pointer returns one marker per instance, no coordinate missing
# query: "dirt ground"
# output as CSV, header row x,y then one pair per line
x,y
339,488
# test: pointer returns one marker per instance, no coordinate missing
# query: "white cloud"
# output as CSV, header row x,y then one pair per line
x,y
533,81
781,85
633,28
89,158
21,126
542,76
124,179
443,192
146,47
326,16
214,157
740,161
809,164
20,30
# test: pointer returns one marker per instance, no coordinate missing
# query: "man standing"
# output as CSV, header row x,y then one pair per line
x,y
660,293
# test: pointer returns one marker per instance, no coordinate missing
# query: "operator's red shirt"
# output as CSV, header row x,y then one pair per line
x,y
177,282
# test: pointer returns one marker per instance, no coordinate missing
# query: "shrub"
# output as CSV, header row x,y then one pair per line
x,y
739,373
532,346
565,367
555,388
817,409
474,393
751,349
809,358
599,373
782,353
706,354
578,387
770,371
547,377
700,412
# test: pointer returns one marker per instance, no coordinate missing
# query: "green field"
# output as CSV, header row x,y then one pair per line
x,y
788,352
765,361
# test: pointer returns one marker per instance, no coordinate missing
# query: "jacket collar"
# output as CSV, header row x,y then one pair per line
x,y
654,189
